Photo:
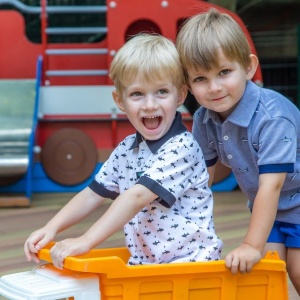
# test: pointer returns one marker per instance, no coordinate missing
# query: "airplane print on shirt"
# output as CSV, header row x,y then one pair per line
x,y
177,226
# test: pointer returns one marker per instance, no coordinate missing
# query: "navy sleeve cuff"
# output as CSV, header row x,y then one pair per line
x,y
166,198
276,168
102,191
211,162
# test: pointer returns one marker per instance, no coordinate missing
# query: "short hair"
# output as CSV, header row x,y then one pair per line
x,y
150,56
202,35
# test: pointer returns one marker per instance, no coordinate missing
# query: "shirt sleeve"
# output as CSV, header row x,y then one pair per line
x,y
106,182
276,145
177,167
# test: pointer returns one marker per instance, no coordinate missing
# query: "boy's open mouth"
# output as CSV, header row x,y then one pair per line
x,y
152,122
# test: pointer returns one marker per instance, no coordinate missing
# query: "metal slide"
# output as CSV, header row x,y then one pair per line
x,y
18,118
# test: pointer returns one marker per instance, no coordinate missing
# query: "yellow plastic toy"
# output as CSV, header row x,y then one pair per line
x,y
103,274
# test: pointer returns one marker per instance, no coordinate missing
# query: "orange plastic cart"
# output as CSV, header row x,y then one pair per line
x,y
104,274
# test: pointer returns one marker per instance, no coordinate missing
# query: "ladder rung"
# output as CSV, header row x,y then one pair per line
x,y
76,72
76,9
75,30
75,51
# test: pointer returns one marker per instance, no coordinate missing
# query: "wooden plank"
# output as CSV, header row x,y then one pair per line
x,y
14,201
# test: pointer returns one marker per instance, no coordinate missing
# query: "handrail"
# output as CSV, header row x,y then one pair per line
x,y
55,9
34,126
21,6
44,36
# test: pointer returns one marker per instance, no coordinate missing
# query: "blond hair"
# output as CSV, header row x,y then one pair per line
x,y
202,35
152,57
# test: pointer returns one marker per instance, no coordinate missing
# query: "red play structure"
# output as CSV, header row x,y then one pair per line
x,y
75,123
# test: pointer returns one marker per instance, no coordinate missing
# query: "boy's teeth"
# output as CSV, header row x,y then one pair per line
x,y
151,122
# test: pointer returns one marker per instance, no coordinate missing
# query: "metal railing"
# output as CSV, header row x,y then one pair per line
x,y
93,9
44,10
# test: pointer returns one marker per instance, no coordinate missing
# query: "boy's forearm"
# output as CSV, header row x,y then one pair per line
x,y
122,210
264,211
262,220
80,206
211,173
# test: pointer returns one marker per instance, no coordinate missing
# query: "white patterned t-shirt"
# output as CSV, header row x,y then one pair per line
x,y
178,226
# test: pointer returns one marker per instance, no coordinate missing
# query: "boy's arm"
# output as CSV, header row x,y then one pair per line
x,y
263,215
80,206
211,173
122,210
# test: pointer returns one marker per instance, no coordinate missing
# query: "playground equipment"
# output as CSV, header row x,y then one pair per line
x,y
103,274
75,123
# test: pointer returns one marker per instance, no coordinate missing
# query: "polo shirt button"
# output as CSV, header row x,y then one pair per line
x,y
229,156
225,137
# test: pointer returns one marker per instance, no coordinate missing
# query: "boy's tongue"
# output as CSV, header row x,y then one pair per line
x,y
151,123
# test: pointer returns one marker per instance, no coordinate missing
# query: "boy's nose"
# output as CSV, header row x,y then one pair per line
x,y
214,86
150,102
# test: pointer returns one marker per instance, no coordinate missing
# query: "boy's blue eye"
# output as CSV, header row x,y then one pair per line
x,y
136,94
162,91
225,72
201,78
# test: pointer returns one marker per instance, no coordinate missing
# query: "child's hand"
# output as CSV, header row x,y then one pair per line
x,y
36,241
68,247
242,259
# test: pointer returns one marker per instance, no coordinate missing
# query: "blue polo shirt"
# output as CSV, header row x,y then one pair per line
x,y
262,135
178,226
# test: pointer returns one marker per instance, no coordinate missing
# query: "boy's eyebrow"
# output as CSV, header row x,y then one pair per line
x,y
226,65
197,72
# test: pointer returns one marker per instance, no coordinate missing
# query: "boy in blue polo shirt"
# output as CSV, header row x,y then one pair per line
x,y
156,177
252,130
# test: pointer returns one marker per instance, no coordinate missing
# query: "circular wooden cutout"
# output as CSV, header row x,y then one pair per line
x,y
221,172
69,156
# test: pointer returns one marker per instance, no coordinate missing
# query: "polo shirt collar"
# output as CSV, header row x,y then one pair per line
x,y
176,128
245,109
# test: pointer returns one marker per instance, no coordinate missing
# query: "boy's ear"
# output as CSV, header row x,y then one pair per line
x,y
251,69
182,95
118,100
